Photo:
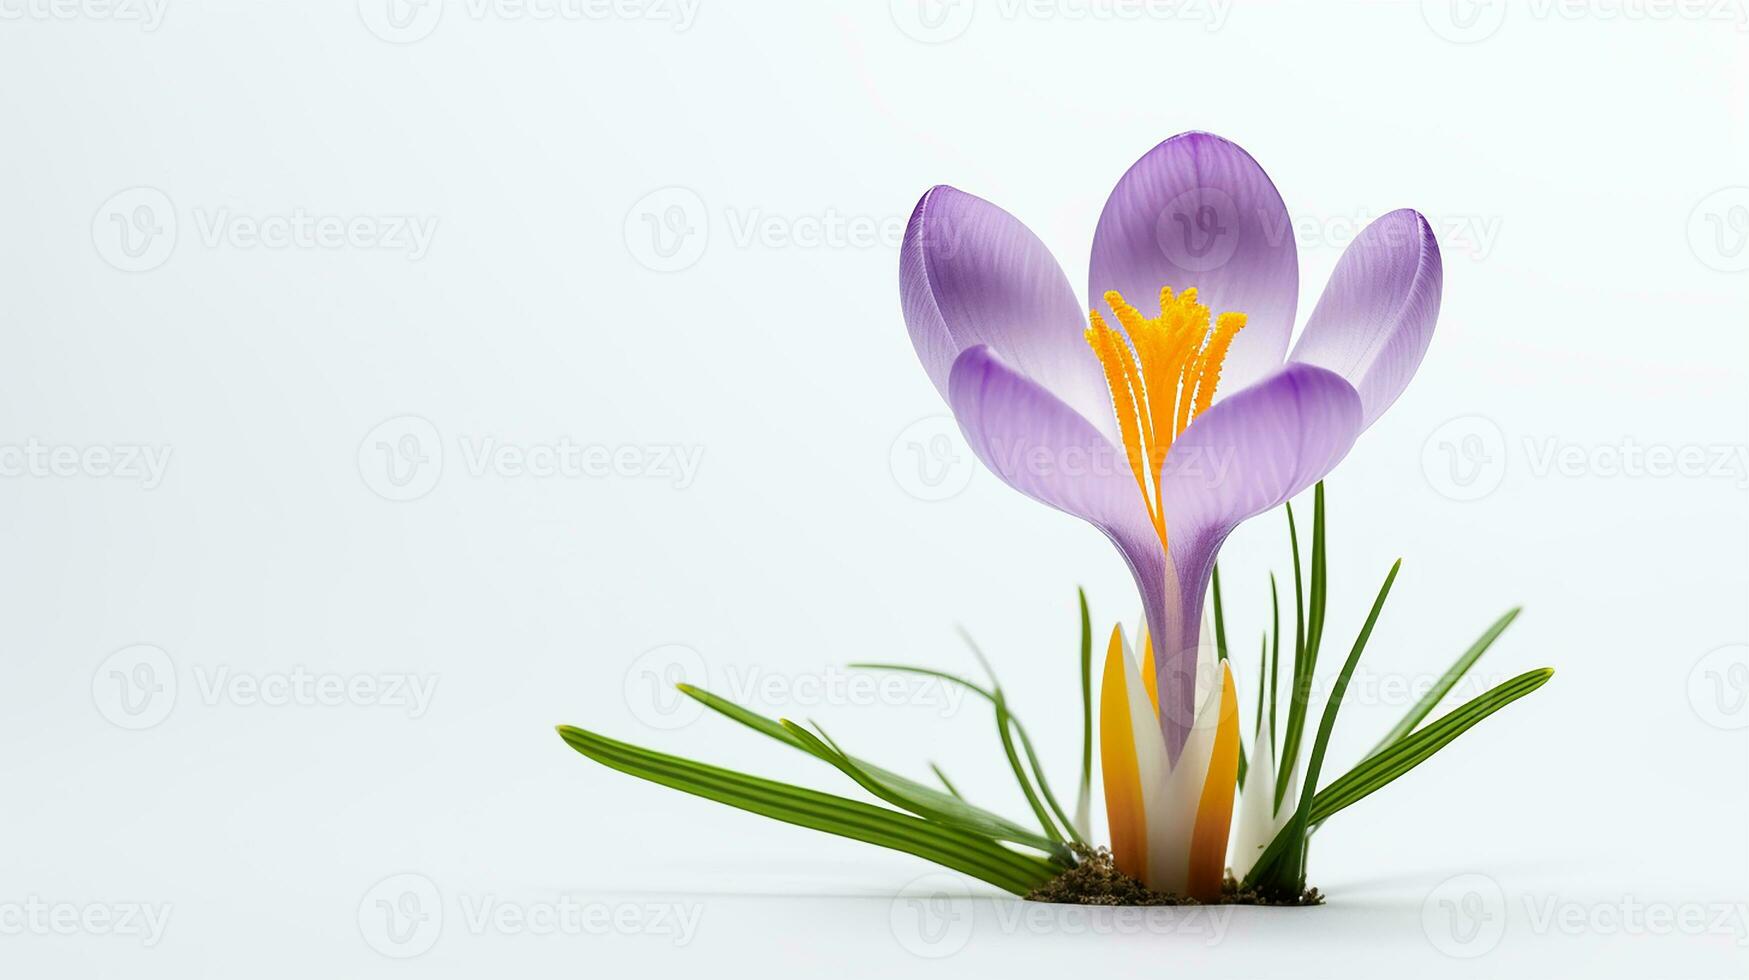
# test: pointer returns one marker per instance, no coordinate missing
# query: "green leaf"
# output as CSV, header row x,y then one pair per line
x,y
1220,620
1003,721
990,696
751,719
1044,785
1411,750
1085,792
1403,755
930,804
1305,663
922,800
981,858
1320,593
1439,690
1274,656
1295,872
1262,680
945,781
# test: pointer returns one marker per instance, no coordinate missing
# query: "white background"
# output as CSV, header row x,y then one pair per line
x,y
1584,165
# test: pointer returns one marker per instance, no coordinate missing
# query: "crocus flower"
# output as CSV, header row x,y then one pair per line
x,y
1165,421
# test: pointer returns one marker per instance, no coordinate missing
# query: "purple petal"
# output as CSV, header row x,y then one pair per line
x,y
1375,319
1040,446
1250,452
970,273
1198,211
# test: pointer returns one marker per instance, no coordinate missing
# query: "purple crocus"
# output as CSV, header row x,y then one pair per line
x,y
1165,431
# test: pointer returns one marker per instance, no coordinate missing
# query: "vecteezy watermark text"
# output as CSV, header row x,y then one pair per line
x,y
1468,915
138,686
652,688
35,916
407,21
935,916
404,915
402,459
1467,458
1472,21
939,21
36,459
149,14
138,229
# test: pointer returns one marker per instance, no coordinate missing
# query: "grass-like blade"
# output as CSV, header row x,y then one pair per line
x,y
1439,690
1274,656
1262,679
1415,748
1294,873
1221,654
1220,619
1084,793
1004,730
1003,721
896,789
989,694
1304,663
931,805
975,856
1319,598
951,788
1403,755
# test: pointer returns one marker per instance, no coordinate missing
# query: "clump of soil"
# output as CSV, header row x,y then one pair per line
x,y
1095,880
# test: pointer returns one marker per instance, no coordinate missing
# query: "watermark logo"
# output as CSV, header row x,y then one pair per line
x,y
1718,230
1464,21
401,459
135,687
1199,229
930,459
407,21
401,916
1465,459
932,21
671,229
932,916
667,230
401,21
1470,21
135,230
650,686
939,21
1465,916
1718,687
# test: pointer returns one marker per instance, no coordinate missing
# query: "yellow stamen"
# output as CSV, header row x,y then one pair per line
x,y
1120,375
1227,326
1162,373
